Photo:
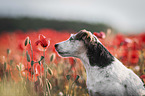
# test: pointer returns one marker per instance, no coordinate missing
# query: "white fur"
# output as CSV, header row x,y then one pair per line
x,y
113,80
72,48
119,76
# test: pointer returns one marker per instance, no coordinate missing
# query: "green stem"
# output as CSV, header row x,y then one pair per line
x,y
69,92
32,67
48,88
141,62
44,65
23,56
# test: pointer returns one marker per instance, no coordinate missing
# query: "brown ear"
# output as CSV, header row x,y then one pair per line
x,y
85,36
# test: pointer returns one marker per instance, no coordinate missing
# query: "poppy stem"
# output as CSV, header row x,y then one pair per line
x,y
141,64
31,49
32,67
44,65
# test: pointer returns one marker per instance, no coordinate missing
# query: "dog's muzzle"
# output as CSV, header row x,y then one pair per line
x,y
56,47
62,53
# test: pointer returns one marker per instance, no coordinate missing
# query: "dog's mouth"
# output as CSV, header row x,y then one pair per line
x,y
64,54
60,52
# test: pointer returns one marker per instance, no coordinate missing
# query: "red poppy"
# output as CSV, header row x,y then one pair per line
x,y
142,37
2,59
100,35
32,72
72,62
119,38
43,43
126,41
28,75
143,77
74,72
134,57
124,56
135,44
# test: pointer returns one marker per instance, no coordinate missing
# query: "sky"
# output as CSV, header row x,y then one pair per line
x,y
124,15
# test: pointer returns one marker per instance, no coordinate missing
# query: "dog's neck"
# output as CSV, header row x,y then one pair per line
x,y
97,55
85,60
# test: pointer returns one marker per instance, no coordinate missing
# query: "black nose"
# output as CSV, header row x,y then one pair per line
x,y
56,45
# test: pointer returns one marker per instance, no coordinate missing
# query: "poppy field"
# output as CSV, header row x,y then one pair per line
x,y
30,66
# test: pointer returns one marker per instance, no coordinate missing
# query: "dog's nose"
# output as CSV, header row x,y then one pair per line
x,y
56,45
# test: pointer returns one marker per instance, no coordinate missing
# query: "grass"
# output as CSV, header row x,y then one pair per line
x,y
64,76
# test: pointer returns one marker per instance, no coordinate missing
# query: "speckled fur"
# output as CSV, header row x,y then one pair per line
x,y
111,80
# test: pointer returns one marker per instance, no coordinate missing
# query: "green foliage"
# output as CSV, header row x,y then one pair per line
x,y
9,24
5,65
8,51
77,77
49,71
42,57
68,77
51,58
28,56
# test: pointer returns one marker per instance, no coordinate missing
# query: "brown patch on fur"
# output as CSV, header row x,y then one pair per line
x,y
85,36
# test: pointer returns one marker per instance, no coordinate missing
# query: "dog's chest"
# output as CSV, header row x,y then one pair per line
x,y
97,80
101,80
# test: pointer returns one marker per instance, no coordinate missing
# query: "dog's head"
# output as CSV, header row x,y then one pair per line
x,y
76,44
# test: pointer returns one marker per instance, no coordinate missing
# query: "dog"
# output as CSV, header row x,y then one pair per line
x,y
106,75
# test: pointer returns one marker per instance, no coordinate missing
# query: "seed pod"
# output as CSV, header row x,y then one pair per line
x,y
8,51
49,71
5,66
28,56
32,62
26,41
42,57
49,86
77,77
68,77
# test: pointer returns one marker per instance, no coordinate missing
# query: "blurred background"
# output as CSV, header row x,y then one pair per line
x,y
29,29
125,16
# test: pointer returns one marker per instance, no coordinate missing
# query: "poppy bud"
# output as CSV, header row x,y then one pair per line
x,y
8,51
26,41
100,35
28,56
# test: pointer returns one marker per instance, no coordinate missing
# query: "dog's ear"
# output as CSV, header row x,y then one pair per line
x,y
84,35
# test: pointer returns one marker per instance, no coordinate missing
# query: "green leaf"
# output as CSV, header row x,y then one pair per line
x,y
29,41
48,85
77,77
18,68
42,57
32,62
68,77
8,51
49,71
11,62
5,66
51,58
28,56
39,62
